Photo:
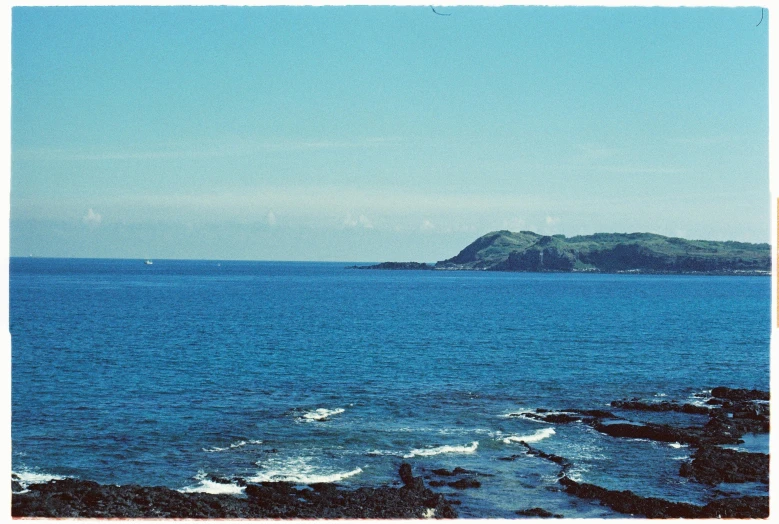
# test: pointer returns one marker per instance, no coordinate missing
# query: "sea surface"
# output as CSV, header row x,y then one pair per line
x,y
171,373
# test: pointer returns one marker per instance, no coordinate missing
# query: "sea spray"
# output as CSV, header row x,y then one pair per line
x,y
539,435
429,452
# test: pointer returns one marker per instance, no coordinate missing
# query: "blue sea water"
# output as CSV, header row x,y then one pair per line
x,y
168,373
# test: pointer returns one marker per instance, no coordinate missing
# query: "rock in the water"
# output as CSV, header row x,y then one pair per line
x,y
465,483
712,465
537,512
413,266
629,503
638,405
740,394
406,476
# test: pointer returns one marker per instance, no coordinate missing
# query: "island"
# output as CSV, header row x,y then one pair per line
x,y
601,253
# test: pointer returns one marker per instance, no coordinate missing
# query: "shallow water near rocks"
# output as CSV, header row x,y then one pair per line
x,y
167,374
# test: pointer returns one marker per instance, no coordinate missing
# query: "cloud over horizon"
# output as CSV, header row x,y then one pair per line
x,y
92,219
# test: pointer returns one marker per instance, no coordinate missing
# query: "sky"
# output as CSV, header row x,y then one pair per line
x,y
381,133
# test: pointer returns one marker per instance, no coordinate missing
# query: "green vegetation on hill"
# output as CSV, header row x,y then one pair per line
x,y
609,252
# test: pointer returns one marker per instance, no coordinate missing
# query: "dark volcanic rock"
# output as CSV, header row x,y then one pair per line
x,y
545,415
268,500
456,471
629,503
596,413
465,483
415,266
443,472
712,465
406,476
660,406
666,433
557,459
537,512
737,508
739,394
659,432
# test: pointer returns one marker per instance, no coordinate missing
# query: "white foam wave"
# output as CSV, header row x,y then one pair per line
x,y
321,414
27,477
539,435
534,416
205,485
429,452
683,457
677,445
299,470
234,445
383,452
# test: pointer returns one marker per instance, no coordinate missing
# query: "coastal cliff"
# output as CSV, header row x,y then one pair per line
x,y
606,253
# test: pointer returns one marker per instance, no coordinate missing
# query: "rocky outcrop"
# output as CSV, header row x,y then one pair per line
x,y
638,405
712,465
72,498
414,266
601,252
629,503
609,252
537,512
740,411
740,395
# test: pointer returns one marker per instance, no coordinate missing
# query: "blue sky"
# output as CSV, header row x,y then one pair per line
x,y
381,133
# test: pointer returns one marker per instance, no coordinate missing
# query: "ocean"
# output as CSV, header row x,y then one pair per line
x,y
172,373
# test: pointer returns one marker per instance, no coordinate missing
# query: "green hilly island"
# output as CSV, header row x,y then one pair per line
x,y
601,252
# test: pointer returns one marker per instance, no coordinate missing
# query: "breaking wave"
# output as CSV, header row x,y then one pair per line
x,y
206,485
539,435
26,477
429,452
234,445
299,470
321,414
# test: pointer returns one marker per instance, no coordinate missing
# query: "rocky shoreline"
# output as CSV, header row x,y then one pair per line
x,y
72,498
731,414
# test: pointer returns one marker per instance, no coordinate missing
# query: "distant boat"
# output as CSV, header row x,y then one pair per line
x,y
149,262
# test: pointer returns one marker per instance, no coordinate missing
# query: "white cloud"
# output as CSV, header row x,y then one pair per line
x,y
550,221
92,219
271,218
362,221
426,225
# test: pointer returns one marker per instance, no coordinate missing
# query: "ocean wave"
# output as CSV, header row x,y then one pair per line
x,y
677,445
320,414
700,398
539,435
516,413
234,445
300,470
205,485
383,452
26,477
429,452
535,416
